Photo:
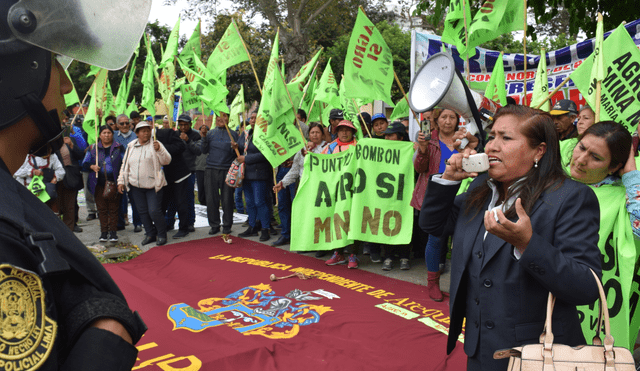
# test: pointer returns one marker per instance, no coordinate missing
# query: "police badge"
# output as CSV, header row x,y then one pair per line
x,y
26,333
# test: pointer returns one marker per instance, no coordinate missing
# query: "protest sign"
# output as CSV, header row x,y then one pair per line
x,y
361,194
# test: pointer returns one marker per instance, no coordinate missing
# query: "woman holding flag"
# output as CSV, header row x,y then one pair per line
x,y
603,160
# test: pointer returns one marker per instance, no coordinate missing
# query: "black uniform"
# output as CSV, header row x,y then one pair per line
x,y
51,290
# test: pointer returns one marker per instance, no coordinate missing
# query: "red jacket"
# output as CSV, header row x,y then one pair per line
x,y
426,164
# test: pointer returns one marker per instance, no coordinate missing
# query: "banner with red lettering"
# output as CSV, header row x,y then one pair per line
x,y
214,306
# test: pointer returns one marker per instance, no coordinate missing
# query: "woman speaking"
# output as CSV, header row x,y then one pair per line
x,y
519,232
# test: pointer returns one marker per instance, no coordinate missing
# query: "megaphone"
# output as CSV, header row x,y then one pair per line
x,y
438,82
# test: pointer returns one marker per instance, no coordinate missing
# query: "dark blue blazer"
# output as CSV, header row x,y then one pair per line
x,y
504,299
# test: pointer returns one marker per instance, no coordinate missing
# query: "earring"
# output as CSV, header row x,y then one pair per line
x,y
536,164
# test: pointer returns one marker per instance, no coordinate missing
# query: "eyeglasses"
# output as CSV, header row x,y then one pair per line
x,y
123,123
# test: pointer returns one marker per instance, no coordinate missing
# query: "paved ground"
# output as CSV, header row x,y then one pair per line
x,y
91,232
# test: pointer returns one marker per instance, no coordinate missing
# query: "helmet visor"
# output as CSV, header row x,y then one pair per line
x,y
101,33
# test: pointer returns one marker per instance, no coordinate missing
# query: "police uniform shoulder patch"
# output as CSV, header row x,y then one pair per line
x,y
26,333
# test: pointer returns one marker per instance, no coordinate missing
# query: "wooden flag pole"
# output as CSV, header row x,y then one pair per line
x,y
99,118
274,182
466,38
361,118
553,92
304,93
248,55
290,100
311,109
405,96
524,44
598,86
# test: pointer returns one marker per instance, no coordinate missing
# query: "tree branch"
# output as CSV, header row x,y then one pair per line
x,y
269,13
317,12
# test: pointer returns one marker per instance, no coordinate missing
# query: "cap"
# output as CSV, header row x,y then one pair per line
x,y
142,124
185,118
396,127
378,116
346,123
366,116
336,114
564,106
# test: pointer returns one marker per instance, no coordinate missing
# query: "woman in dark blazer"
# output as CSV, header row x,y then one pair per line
x,y
519,232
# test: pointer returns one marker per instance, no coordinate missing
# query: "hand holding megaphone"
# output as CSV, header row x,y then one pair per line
x,y
454,170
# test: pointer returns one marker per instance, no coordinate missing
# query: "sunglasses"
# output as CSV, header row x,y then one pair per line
x,y
123,123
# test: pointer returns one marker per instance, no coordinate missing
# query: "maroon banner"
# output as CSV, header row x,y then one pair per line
x,y
212,306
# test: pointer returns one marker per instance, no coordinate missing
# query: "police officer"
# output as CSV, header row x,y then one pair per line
x,y
59,308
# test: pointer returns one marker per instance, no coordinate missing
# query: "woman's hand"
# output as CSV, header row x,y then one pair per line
x,y
234,145
54,180
461,134
310,146
422,142
518,234
121,188
156,145
454,171
240,159
37,172
278,187
630,165
95,168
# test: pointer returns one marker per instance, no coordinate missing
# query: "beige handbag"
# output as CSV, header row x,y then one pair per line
x,y
548,356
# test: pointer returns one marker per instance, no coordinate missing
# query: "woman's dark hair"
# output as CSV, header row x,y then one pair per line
x,y
318,125
617,138
538,127
302,113
103,128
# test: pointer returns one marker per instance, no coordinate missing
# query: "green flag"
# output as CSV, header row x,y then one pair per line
x,y
351,109
172,46
495,18
453,32
190,99
274,132
165,84
237,109
496,89
340,198
121,98
541,85
148,81
204,83
402,110
98,96
191,48
308,104
368,67
93,70
132,107
132,74
229,51
109,102
298,82
37,187
71,98
327,90
621,83
619,249
597,71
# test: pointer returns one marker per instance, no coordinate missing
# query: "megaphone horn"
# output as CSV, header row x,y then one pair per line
x,y
439,83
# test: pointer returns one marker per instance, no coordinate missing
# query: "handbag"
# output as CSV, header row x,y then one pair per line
x,y
110,192
549,356
235,175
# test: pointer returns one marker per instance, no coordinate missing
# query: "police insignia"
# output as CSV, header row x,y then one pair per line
x,y
26,333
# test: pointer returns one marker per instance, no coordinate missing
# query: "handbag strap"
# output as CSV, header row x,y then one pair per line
x,y
546,337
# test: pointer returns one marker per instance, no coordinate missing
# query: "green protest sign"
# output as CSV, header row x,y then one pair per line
x,y
620,95
361,194
38,188
620,274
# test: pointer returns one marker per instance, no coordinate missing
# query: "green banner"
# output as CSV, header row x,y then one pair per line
x,y
620,99
361,194
620,271
368,66
541,85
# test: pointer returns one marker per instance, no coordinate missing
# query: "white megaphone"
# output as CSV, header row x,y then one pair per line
x,y
439,83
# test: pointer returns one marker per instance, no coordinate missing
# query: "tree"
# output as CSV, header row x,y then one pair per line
x,y
581,14
305,25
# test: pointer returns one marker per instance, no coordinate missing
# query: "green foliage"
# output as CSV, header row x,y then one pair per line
x,y
508,44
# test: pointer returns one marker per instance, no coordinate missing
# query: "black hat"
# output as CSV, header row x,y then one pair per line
x,y
366,116
185,118
336,114
564,106
398,128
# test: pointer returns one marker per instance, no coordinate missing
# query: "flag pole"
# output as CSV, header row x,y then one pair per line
x,y
466,39
598,85
248,55
361,118
313,73
274,182
405,96
553,92
99,117
290,100
524,44
311,108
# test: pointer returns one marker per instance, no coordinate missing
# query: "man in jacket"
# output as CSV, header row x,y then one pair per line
x,y
193,140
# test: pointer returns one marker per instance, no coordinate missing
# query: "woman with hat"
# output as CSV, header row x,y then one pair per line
x,y
346,138
141,174
379,124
